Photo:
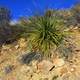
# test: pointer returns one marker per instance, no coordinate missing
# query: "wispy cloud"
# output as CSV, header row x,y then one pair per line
x,y
13,22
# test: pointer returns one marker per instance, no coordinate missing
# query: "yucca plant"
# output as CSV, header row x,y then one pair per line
x,y
45,32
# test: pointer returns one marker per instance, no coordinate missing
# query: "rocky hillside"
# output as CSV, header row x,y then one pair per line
x,y
13,67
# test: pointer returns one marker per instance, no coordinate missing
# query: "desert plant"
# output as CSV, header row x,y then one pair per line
x,y
45,32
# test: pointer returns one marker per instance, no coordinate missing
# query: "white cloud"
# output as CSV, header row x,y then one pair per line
x,y
13,22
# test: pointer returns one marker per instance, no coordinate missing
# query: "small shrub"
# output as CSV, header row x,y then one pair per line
x,y
29,57
45,32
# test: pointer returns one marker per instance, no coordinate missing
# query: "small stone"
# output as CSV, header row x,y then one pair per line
x,y
17,46
44,66
58,62
72,69
10,49
8,69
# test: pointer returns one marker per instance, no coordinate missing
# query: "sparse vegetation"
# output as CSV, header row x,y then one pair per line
x,y
45,32
55,34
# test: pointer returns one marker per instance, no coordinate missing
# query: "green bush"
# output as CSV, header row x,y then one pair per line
x,y
45,32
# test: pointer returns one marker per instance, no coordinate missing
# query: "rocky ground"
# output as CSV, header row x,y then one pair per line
x,y
11,68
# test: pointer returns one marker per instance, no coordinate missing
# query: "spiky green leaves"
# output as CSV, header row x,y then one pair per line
x,y
45,32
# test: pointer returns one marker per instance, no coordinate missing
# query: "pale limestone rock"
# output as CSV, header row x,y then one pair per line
x,y
58,62
44,66
17,46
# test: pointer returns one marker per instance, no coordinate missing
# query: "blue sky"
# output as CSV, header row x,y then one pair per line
x,y
28,7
